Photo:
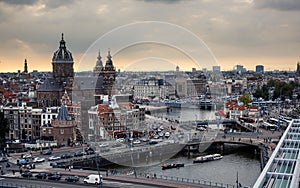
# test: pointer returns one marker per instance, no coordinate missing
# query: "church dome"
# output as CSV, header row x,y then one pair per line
x,y
62,55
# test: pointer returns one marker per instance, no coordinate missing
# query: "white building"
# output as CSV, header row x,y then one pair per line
x,y
154,88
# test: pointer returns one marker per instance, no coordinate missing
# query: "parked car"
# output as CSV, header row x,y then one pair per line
x,y
48,152
152,142
167,134
21,162
27,156
38,160
79,153
136,142
27,174
3,160
54,158
66,156
72,178
41,175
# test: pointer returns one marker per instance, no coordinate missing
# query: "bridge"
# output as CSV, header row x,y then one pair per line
x,y
283,167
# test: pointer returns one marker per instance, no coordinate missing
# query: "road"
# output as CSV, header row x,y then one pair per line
x,y
34,183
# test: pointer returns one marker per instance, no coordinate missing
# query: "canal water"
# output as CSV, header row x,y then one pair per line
x,y
239,162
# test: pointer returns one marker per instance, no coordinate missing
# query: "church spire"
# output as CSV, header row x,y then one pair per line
x,y
109,56
109,64
62,42
25,66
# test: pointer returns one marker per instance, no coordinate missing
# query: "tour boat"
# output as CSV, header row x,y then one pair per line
x,y
207,158
168,166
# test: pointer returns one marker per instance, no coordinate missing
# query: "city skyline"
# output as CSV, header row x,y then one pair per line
x,y
244,32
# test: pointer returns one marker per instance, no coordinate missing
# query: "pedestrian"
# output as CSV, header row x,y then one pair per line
x,y
65,167
69,168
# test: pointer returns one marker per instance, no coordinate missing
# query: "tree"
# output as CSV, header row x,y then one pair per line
x,y
246,99
4,129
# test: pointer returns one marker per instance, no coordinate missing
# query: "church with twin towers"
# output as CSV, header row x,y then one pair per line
x,y
63,79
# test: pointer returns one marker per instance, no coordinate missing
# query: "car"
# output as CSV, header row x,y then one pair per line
x,y
66,156
103,145
3,160
93,179
48,152
79,153
90,152
27,156
38,160
145,139
27,174
41,175
72,178
136,142
167,134
152,142
54,176
54,158
21,162
120,140
156,136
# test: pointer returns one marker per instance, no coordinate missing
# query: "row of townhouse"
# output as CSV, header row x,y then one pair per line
x,y
104,120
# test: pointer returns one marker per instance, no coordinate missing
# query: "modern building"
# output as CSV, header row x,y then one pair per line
x,y
216,69
239,68
259,69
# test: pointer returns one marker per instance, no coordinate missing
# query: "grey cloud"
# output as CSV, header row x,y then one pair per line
x,y
20,2
163,1
52,4
286,5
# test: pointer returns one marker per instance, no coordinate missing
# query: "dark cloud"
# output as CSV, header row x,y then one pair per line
x,y
282,5
52,4
20,2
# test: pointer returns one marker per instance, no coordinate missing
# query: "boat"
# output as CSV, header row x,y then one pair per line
x,y
206,158
173,165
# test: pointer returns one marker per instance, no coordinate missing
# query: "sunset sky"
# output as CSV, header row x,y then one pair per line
x,y
151,34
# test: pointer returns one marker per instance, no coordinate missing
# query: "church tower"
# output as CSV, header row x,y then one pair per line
x,y
108,73
25,67
298,68
62,64
99,65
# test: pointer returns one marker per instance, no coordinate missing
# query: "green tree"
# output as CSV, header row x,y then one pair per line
x,y
245,98
262,92
4,130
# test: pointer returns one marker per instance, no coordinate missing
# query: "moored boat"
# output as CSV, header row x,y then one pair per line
x,y
206,158
168,166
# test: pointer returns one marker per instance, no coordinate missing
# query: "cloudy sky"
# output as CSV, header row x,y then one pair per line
x,y
246,32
